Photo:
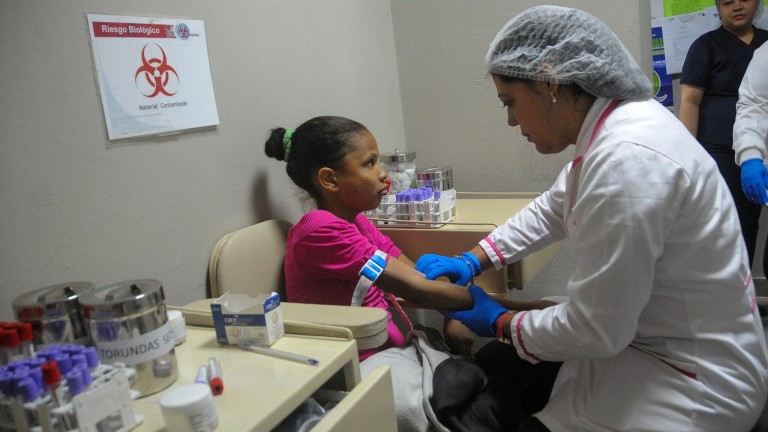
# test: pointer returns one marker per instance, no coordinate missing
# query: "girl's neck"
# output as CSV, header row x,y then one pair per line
x,y
341,213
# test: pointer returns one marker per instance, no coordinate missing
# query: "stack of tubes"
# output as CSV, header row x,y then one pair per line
x,y
15,342
54,376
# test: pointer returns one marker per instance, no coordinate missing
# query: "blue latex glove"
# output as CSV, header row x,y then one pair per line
x,y
481,319
754,180
459,271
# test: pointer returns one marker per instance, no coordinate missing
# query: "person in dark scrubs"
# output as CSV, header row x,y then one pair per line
x,y
709,87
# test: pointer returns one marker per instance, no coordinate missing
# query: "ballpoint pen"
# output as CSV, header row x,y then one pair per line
x,y
261,349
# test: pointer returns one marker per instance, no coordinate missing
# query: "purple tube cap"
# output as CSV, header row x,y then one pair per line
x,y
65,363
91,356
75,382
27,389
85,373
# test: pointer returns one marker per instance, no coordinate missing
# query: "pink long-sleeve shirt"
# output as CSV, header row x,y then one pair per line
x,y
324,254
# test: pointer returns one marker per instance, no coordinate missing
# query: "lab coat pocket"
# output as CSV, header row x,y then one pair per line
x,y
687,369
660,397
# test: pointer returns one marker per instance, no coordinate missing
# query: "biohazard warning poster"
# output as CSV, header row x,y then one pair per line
x,y
153,74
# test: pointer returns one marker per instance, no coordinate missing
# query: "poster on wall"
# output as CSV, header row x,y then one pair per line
x,y
682,22
662,81
153,75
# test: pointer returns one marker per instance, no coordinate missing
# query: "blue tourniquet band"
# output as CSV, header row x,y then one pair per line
x,y
368,275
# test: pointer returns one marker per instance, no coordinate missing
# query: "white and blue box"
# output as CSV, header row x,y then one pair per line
x,y
241,318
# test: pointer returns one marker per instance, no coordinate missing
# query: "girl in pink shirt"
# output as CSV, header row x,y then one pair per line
x,y
335,160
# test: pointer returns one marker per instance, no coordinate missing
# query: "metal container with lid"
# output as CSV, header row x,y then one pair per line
x,y
128,323
438,178
55,314
402,169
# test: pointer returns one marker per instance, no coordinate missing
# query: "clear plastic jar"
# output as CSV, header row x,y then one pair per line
x,y
402,169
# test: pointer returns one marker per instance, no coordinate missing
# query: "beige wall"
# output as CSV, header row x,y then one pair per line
x,y
452,115
75,207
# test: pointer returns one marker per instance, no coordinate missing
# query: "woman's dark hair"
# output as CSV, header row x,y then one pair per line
x,y
318,142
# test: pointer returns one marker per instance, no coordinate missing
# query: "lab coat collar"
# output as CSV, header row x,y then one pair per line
x,y
590,121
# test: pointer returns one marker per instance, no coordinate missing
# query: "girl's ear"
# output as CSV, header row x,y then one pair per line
x,y
326,179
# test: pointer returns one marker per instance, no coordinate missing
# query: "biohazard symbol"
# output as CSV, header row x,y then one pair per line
x,y
159,75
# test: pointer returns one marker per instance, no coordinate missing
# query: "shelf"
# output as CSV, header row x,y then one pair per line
x,y
260,391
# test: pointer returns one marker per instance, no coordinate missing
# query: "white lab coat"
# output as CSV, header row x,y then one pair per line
x,y
750,130
660,331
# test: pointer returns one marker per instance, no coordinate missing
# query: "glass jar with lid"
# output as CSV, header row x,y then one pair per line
x,y
401,166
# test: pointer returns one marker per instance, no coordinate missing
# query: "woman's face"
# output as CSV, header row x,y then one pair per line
x,y
737,15
361,181
529,105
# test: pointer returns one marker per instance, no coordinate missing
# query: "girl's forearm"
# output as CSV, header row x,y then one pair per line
x,y
524,305
410,285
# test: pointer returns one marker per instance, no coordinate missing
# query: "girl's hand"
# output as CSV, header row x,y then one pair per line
x,y
458,337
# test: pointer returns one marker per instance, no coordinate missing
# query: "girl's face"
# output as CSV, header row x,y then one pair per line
x,y
530,106
737,15
361,181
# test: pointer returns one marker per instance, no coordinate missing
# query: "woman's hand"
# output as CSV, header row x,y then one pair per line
x,y
754,179
460,270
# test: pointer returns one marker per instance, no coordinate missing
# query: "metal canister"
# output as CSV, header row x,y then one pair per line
x,y
128,323
438,178
55,314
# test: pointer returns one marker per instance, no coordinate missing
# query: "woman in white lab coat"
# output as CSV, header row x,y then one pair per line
x,y
659,331
750,130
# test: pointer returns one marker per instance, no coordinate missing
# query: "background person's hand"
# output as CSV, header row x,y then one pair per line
x,y
481,319
754,180
459,271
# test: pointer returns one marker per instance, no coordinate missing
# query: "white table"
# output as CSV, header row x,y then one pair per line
x,y
260,391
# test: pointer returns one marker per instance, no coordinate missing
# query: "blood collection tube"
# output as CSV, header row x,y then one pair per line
x,y
12,345
91,357
75,384
51,378
25,337
85,372
65,362
215,376
21,371
202,375
27,389
7,383
37,374
3,352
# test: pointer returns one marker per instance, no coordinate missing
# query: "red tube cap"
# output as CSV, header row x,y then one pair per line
x,y
51,373
217,386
